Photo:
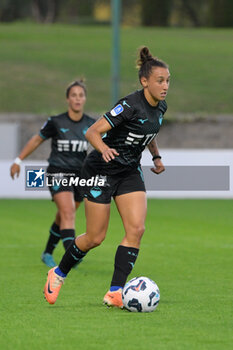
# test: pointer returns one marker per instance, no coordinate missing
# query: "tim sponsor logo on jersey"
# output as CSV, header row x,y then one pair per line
x,y
117,110
72,145
135,139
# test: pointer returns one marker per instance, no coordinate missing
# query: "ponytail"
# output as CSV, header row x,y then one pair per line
x,y
146,62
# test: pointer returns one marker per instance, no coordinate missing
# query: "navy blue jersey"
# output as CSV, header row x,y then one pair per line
x,y
69,145
134,123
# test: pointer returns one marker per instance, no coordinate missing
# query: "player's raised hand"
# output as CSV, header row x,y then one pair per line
x,y
109,154
14,170
158,166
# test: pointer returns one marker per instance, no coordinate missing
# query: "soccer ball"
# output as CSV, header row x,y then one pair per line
x,y
141,294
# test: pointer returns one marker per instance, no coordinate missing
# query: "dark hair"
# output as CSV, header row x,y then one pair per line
x,y
80,83
146,62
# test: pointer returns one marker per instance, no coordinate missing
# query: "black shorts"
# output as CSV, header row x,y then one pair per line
x,y
57,186
130,180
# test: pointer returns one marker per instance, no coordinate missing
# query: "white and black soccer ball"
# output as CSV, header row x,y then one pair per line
x,y
141,294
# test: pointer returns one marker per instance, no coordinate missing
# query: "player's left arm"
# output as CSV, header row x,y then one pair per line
x,y
158,164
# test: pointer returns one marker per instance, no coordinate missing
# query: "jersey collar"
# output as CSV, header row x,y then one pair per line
x,y
146,102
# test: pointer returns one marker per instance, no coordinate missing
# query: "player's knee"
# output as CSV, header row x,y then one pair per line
x,y
67,215
139,229
136,232
95,241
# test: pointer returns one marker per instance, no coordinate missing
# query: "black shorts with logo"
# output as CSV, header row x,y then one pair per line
x,y
127,180
54,173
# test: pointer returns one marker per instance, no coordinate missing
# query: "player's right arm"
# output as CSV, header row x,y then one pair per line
x,y
30,146
94,136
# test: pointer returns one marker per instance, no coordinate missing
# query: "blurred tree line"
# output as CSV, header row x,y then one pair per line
x,y
213,13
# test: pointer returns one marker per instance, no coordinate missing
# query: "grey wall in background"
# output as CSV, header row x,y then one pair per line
x,y
9,140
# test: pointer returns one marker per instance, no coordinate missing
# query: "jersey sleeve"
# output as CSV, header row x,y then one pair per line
x,y
122,111
48,129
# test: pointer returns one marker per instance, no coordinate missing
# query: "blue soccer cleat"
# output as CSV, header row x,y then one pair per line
x,y
48,260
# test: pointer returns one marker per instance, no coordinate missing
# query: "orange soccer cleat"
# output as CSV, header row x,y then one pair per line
x,y
53,286
114,298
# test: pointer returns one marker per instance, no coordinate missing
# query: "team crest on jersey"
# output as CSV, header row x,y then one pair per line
x,y
117,110
161,119
85,130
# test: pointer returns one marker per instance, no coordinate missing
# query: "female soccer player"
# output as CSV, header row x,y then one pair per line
x,y
129,127
69,149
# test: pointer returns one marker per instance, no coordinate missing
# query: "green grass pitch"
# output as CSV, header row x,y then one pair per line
x,y
187,250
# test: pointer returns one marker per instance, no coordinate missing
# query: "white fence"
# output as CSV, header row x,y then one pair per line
x,y
212,178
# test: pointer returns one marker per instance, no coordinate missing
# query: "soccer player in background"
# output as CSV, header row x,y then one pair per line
x,y
128,128
68,151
